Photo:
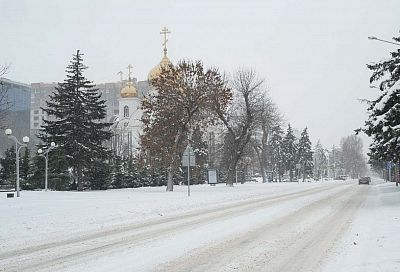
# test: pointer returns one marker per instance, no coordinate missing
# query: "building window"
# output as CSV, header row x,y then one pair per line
x,y
36,118
36,124
126,111
36,111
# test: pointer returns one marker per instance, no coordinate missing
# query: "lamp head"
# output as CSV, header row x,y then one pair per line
x,y
40,151
25,139
8,131
52,144
372,38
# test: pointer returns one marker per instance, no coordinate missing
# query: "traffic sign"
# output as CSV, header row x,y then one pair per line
x,y
188,157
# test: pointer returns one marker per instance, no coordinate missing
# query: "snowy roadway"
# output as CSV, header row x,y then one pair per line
x,y
253,227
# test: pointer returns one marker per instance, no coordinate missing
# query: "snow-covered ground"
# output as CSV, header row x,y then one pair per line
x,y
317,226
372,242
38,216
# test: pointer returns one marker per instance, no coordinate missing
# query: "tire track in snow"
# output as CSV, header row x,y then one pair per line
x,y
280,245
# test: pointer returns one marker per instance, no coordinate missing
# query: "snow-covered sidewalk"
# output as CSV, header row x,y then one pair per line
x,y
373,240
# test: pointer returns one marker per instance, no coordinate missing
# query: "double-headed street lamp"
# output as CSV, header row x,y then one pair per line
x,y
377,39
46,157
18,146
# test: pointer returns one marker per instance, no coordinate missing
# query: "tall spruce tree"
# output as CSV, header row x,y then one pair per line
x,y
276,153
320,161
383,123
75,113
289,149
305,154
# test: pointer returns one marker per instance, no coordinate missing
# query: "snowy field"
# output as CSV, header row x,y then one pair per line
x,y
318,226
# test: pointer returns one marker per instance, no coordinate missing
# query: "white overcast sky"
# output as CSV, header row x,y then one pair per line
x,y
312,53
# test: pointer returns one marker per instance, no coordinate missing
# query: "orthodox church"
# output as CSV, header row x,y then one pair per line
x,y
127,126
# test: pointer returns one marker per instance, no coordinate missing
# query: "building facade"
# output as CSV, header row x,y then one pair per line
x,y
15,110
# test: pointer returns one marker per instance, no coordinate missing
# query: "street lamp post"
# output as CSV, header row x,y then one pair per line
x,y
46,157
377,39
18,146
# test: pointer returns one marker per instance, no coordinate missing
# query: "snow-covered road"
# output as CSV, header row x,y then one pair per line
x,y
294,227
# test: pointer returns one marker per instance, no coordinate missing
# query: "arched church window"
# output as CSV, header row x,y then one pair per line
x,y
126,111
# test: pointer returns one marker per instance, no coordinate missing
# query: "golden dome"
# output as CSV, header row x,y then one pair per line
x,y
129,91
156,71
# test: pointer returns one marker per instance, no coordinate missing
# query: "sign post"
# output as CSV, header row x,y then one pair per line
x,y
188,159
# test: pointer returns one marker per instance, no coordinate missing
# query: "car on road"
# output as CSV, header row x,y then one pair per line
x,y
364,180
341,177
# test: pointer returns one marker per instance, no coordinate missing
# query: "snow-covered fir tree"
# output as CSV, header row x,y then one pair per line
x,y
383,123
75,112
305,154
320,161
276,153
289,149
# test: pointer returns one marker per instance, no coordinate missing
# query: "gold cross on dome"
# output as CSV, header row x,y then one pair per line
x,y
164,32
129,70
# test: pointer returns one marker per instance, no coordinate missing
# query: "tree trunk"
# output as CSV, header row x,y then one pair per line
x,y
231,178
261,162
79,179
170,183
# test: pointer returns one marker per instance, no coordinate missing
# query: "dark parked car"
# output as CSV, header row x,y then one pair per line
x,y
364,180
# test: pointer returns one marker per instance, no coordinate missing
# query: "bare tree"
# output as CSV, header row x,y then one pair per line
x,y
4,103
240,120
185,96
354,162
267,118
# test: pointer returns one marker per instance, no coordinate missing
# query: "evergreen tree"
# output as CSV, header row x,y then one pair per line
x,y
25,169
289,149
75,113
305,154
320,161
36,179
383,123
118,173
132,175
58,175
7,170
99,175
276,153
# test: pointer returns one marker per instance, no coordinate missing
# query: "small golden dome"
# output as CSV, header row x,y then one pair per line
x,y
156,71
129,91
